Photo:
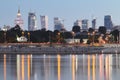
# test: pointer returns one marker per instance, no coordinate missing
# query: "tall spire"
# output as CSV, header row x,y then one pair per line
x,y
19,20
18,10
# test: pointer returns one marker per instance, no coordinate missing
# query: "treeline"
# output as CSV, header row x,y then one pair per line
x,y
41,36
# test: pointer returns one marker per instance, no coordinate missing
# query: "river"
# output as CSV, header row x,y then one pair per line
x,y
60,67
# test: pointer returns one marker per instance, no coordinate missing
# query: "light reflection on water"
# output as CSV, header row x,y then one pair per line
x,y
60,67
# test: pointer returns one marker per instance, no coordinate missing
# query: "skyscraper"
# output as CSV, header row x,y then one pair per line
x,y
19,20
78,23
58,25
94,23
32,22
44,22
85,24
108,22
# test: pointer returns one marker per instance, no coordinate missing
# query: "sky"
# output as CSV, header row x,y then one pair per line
x,y
69,10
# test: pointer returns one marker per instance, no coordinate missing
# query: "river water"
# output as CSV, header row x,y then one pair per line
x,y
60,67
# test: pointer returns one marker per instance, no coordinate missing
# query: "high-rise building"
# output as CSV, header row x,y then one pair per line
x,y
32,22
58,25
19,20
44,22
108,22
78,23
94,23
84,24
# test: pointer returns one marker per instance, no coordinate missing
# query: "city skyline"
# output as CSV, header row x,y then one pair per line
x,y
70,11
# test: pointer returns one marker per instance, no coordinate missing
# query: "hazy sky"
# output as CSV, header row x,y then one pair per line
x,y
69,10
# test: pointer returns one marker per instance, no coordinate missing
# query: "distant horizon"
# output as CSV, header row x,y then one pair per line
x,y
70,11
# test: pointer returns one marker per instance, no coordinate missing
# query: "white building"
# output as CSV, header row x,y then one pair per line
x,y
32,22
44,22
72,41
22,39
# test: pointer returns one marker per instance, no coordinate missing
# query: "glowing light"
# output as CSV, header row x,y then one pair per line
x,y
88,67
22,67
4,66
73,67
59,66
29,67
107,67
93,67
110,69
18,67
101,66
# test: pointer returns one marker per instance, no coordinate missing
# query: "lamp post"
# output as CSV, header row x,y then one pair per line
x,y
28,36
88,38
5,30
49,37
22,33
93,37
73,34
4,36
58,36
88,35
119,37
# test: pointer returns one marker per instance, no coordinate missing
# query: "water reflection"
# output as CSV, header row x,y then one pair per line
x,y
60,67
101,66
73,67
22,64
4,66
93,67
18,67
29,67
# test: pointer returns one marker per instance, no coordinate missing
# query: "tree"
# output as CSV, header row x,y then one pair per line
x,y
102,30
115,33
90,30
76,29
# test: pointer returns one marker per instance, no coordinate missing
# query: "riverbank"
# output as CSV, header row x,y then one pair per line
x,y
34,48
52,50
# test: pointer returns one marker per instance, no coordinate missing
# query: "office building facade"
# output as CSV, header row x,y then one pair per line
x,y
108,22
58,24
44,22
78,23
32,22
94,24
85,24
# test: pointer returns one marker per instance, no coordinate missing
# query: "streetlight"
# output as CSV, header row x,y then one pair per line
x,y
5,36
88,35
22,33
93,36
73,34
28,36
5,30
58,36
